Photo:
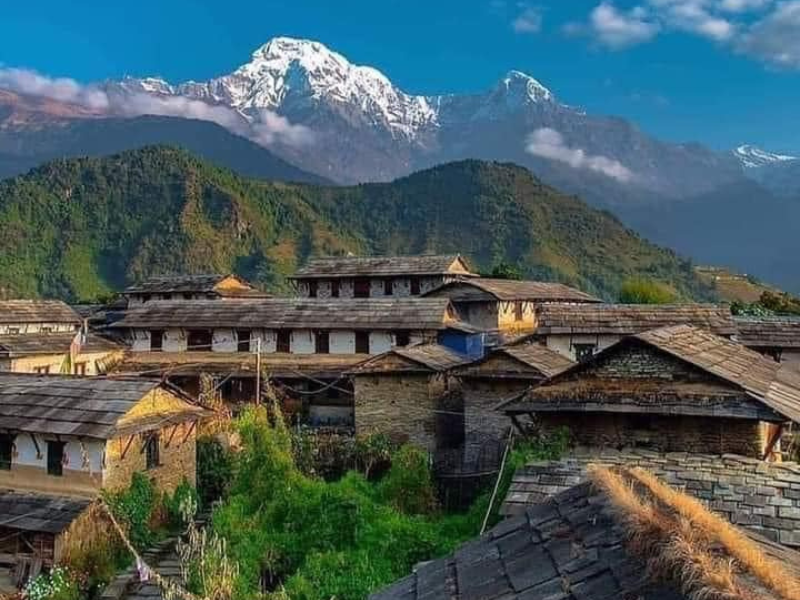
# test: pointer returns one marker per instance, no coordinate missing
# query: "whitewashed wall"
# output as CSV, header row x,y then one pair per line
x,y
343,342
564,344
401,286
26,454
19,328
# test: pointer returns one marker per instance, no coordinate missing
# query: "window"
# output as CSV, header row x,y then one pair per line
x,y
42,370
312,289
55,458
584,352
146,298
243,340
13,331
45,330
6,452
187,295
334,288
518,311
402,338
80,368
284,341
361,288
388,287
322,343
199,340
362,342
156,340
415,286
151,449
166,296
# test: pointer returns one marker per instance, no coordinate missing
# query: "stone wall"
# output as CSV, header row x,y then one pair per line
x,y
663,433
764,497
480,399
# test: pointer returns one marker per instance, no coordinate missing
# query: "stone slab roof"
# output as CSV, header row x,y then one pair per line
x,y
768,332
69,405
167,284
510,290
432,357
385,266
33,344
572,546
415,314
628,319
39,513
37,311
535,358
763,497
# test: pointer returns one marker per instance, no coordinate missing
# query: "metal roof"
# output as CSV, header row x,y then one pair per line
x,y
509,290
39,513
768,332
37,311
383,266
628,319
296,313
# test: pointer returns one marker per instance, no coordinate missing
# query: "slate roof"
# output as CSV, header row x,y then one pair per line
x,y
170,284
37,311
383,266
39,513
67,405
627,319
433,357
768,332
775,388
544,361
569,547
296,313
32,344
509,290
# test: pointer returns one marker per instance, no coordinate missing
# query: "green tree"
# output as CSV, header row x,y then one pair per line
x,y
639,290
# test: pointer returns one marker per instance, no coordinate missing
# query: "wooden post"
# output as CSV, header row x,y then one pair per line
x,y
258,371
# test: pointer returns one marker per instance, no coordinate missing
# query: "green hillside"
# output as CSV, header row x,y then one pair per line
x,y
81,228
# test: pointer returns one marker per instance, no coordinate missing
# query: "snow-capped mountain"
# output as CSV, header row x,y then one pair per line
x,y
752,157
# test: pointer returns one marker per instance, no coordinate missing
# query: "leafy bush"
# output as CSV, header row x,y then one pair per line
x,y
60,584
408,486
214,469
181,506
136,506
639,290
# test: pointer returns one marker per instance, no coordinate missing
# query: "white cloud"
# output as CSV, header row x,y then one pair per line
x,y
775,39
549,143
529,20
695,16
740,6
266,128
618,29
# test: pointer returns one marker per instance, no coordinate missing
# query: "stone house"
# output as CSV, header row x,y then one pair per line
x,y
504,373
44,353
776,337
213,286
64,438
579,331
21,317
676,388
504,305
410,394
378,276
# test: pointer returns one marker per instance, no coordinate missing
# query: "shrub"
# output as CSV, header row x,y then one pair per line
x,y
639,290
136,507
181,506
408,486
214,469
59,584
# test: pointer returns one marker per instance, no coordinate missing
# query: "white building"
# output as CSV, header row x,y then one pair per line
x,y
190,287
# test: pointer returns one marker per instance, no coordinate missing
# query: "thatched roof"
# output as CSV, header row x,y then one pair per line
x,y
769,332
37,311
73,406
577,545
418,314
628,319
385,266
485,289
32,344
421,357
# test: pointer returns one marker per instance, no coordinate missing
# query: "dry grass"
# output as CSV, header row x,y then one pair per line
x,y
677,548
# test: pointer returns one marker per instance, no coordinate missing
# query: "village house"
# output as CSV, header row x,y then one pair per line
x,y
776,337
378,276
505,305
212,286
410,395
578,331
503,373
591,542
677,388
43,337
64,438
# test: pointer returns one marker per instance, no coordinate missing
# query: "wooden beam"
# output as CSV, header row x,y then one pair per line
x,y
172,435
188,433
127,446
516,423
776,437
36,445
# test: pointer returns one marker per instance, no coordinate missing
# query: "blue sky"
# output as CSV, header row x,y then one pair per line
x,y
720,72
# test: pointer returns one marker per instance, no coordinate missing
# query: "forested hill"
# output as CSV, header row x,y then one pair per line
x,y
81,228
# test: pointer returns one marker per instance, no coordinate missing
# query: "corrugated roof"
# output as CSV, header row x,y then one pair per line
x,y
67,405
296,313
51,343
509,290
179,283
434,357
628,319
37,311
573,546
39,513
382,266
768,332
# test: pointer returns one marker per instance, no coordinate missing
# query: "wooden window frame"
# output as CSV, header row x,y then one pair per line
x,y
243,341
6,452
584,352
313,288
199,347
152,451
402,338
157,334
55,467
518,310
414,286
388,287
322,342
43,370
334,288
283,341
362,342
80,368
362,287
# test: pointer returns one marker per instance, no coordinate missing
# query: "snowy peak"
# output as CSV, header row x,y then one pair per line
x,y
523,88
752,157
